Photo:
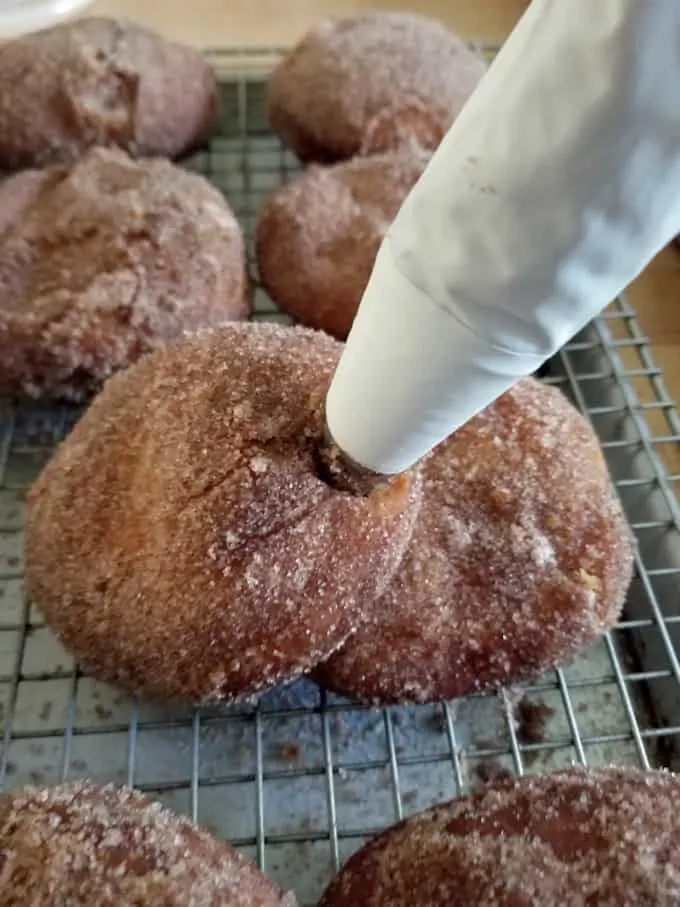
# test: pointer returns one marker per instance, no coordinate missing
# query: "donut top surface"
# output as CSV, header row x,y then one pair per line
x,y
76,226
324,95
82,845
101,81
105,258
605,838
411,125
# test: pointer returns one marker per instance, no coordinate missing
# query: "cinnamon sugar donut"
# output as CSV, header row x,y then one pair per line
x,y
520,557
101,82
181,542
83,845
324,95
606,838
318,236
104,260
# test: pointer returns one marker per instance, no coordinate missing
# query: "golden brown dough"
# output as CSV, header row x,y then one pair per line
x,y
181,543
324,95
107,259
101,82
318,236
520,557
82,845
604,838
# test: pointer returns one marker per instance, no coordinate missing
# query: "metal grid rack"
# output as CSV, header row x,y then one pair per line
x,y
298,781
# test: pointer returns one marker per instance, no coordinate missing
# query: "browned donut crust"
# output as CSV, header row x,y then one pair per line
x,y
604,838
318,236
83,845
520,557
324,94
107,259
101,82
410,125
17,193
181,543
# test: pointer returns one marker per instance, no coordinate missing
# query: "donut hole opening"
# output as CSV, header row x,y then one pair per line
x,y
334,469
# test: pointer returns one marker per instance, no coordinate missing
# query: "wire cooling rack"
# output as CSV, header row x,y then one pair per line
x,y
300,780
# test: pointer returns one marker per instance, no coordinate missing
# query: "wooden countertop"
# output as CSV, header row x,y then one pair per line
x,y
217,23
258,23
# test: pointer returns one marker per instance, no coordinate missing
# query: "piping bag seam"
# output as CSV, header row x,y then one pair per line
x,y
497,348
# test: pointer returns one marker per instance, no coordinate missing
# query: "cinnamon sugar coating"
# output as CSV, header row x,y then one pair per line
x,y
409,125
105,260
83,845
318,236
181,543
101,82
521,556
603,838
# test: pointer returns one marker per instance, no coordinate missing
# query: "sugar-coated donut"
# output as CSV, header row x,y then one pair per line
x,y
85,845
181,542
101,82
318,235
607,838
520,557
107,259
324,95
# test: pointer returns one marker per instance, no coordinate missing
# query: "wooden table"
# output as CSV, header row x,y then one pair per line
x,y
214,23
207,23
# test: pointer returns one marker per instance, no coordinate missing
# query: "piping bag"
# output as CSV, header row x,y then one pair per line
x,y
554,188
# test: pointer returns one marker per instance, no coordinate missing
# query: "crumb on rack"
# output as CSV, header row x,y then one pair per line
x,y
290,752
491,770
532,718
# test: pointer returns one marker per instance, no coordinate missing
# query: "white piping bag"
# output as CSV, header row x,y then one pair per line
x,y
555,187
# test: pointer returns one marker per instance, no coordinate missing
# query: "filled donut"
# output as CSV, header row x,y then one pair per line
x,y
318,236
609,837
104,260
325,95
101,82
183,543
84,845
521,556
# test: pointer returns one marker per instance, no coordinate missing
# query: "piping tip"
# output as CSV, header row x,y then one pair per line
x,y
341,472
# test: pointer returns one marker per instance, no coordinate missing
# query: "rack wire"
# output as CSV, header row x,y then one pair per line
x,y
299,780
